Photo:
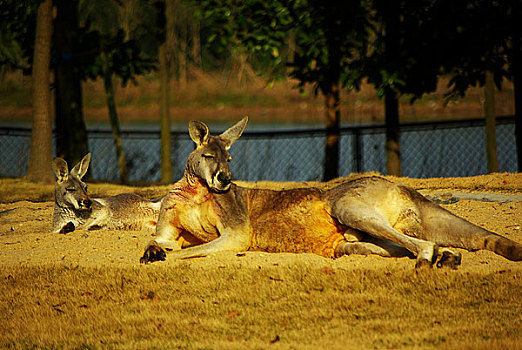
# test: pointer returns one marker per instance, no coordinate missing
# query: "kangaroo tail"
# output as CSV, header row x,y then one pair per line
x,y
450,230
481,238
503,246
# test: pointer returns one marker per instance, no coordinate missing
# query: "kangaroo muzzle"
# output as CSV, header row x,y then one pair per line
x,y
222,181
85,203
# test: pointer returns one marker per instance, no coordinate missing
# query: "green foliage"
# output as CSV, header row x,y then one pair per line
x,y
332,39
107,46
406,52
341,41
17,29
256,27
101,16
123,57
331,36
479,36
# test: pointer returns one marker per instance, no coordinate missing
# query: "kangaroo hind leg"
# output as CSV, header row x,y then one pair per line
x,y
359,243
360,216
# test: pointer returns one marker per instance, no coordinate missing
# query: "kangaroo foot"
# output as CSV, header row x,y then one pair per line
x,y
153,253
427,256
449,258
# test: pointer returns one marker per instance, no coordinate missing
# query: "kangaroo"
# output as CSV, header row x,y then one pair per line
x,y
74,209
369,215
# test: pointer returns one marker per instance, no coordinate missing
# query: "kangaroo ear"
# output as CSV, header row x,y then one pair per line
x,y
80,169
199,133
60,169
234,132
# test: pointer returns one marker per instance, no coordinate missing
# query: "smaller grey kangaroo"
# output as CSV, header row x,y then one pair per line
x,y
74,209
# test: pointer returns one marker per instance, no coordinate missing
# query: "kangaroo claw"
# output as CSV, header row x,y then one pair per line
x,y
153,253
69,227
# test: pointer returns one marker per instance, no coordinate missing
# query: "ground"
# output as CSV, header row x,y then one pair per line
x,y
479,305
25,220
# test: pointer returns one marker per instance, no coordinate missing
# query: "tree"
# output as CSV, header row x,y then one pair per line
x,y
166,154
331,38
40,157
405,59
116,53
17,34
71,133
390,19
515,70
490,115
483,51
17,29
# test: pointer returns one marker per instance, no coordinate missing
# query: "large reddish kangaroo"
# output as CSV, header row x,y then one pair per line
x,y
206,209
74,209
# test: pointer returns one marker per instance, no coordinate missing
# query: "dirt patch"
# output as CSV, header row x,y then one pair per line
x,y
26,238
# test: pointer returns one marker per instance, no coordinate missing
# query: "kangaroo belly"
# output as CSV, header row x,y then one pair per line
x,y
295,222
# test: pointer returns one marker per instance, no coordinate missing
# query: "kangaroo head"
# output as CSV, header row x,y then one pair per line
x,y
70,191
209,161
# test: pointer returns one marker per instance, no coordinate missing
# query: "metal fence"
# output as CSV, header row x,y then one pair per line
x,y
455,148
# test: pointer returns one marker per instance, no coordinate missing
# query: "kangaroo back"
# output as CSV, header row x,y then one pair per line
x,y
129,211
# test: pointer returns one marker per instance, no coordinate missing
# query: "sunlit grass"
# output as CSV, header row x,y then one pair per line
x,y
298,306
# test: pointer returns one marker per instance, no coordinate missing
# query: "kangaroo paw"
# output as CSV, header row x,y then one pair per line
x,y
153,253
449,259
69,227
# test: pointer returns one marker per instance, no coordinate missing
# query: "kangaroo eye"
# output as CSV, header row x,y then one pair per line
x,y
208,156
71,189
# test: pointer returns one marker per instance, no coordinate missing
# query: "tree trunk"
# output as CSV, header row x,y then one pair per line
x,y
333,114
290,58
393,133
71,135
182,56
196,43
517,86
113,116
491,129
166,156
391,97
516,67
39,169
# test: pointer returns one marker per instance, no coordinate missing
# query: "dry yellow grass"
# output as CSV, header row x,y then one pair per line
x,y
319,304
86,289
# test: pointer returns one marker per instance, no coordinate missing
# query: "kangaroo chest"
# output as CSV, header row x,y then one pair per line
x,y
193,215
199,221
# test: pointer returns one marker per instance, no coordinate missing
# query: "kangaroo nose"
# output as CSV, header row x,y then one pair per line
x,y
87,203
224,178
